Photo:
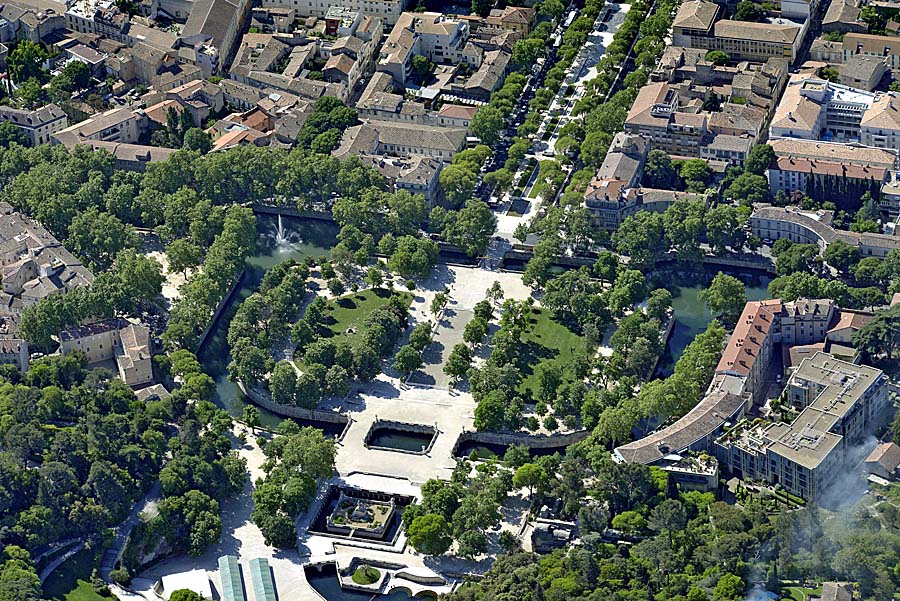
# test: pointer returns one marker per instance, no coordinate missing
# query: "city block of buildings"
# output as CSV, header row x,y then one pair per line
x,y
839,402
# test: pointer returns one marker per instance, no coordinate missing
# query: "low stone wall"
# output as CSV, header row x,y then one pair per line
x,y
226,301
664,339
532,441
289,211
266,402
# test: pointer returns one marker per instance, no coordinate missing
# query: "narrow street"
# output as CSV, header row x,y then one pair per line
x,y
583,69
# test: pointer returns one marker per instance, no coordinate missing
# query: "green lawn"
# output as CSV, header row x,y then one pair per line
x,y
350,311
547,342
366,575
72,580
797,593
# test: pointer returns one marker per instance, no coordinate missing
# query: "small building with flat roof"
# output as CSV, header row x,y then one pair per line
x,y
261,576
232,583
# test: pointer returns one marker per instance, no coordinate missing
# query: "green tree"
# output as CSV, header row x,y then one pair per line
x,y
79,73
475,331
458,183
881,336
421,66
407,360
98,237
729,587
696,174
841,255
748,189
530,476
10,134
421,336
198,140
717,57
747,11
374,277
251,417
487,124
759,159
459,361
25,62
430,534
470,228
723,228
184,594
659,172
183,255
798,258
659,303
725,296
283,383
668,516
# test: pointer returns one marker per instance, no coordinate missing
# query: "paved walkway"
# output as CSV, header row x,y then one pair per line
x,y
386,398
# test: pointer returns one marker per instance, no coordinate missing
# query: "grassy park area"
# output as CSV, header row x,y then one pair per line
x,y
799,593
345,316
547,342
71,580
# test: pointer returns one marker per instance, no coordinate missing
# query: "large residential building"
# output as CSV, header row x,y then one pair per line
x,y
388,11
615,192
124,343
838,399
695,26
696,431
14,351
880,125
805,227
655,115
817,109
116,125
414,173
748,354
439,38
213,28
34,264
671,118
38,125
878,46
693,23
840,403
402,139
828,171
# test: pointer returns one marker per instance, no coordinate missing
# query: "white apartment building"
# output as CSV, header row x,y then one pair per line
x,y
388,11
438,38
839,401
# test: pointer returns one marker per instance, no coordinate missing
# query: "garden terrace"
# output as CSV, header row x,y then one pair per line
x,y
342,514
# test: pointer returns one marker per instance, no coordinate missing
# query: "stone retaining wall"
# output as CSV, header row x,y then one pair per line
x,y
532,441
266,402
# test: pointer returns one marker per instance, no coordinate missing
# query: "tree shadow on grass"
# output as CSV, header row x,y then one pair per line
x,y
347,303
531,354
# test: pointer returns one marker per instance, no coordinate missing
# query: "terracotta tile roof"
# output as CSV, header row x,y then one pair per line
x,y
749,336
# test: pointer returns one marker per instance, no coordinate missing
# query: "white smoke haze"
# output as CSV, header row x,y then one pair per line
x,y
759,593
849,485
